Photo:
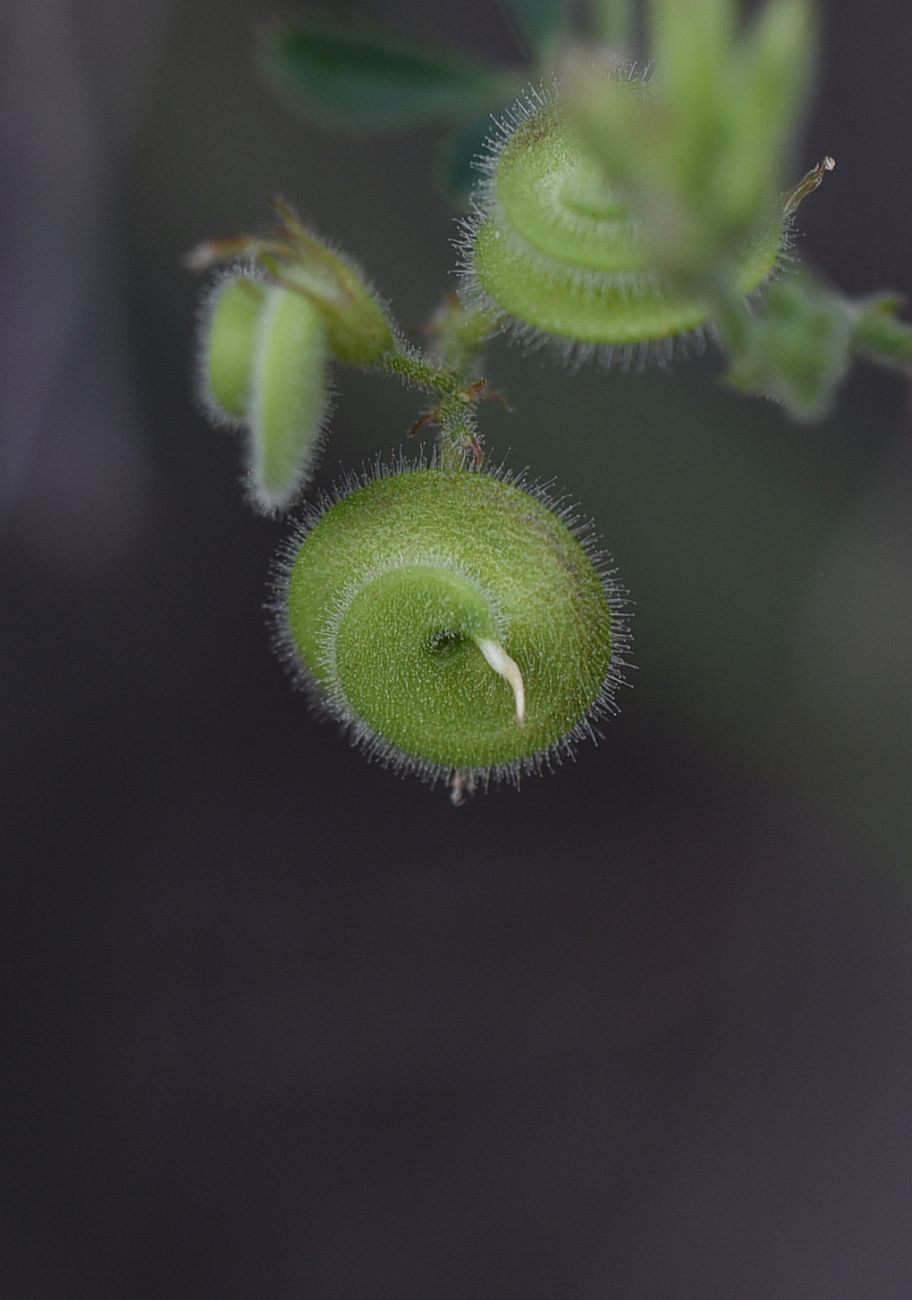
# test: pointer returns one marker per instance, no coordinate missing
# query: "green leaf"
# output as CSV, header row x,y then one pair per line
x,y
771,77
797,352
372,82
879,336
538,20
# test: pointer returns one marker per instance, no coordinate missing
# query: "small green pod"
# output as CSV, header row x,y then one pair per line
x,y
227,332
554,252
454,622
289,399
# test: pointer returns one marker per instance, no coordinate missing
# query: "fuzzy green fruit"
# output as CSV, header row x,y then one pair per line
x,y
289,398
264,368
556,254
228,324
453,621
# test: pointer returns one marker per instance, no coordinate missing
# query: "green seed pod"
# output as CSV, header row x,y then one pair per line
x,y
454,621
227,329
557,255
358,327
289,398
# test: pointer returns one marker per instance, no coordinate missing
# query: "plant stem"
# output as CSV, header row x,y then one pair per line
x,y
459,436
454,413
417,370
447,373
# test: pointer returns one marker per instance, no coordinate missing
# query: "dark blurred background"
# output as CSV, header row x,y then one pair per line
x,y
280,1024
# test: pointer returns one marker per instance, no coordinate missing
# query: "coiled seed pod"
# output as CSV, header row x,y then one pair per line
x,y
264,367
289,398
453,621
228,323
553,250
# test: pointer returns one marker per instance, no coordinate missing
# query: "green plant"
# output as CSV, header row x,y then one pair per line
x,y
556,255
411,600
455,621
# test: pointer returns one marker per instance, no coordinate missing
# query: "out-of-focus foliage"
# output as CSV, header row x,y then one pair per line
x,y
372,82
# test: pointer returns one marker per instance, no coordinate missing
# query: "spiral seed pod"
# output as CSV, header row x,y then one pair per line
x,y
289,398
556,254
453,621
227,330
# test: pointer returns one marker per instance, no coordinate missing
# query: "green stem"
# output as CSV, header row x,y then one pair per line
x,y
459,436
448,374
417,370
454,414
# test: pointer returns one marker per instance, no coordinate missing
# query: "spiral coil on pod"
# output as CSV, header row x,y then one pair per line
x,y
552,251
453,621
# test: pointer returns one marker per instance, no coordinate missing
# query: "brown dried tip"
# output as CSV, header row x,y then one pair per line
x,y
808,183
213,251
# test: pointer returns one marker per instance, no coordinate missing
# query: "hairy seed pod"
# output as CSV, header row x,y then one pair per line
x,y
288,400
555,253
227,329
454,621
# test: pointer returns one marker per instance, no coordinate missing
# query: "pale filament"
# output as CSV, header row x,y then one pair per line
x,y
509,670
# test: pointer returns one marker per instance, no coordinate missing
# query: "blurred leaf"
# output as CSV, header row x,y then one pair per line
x,y
691,42
539,20
879,335
701,151
771,77
613,21
371,82
798,351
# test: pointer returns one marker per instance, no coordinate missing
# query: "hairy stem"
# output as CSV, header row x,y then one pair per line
x,y
459,435
447,373
418,371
